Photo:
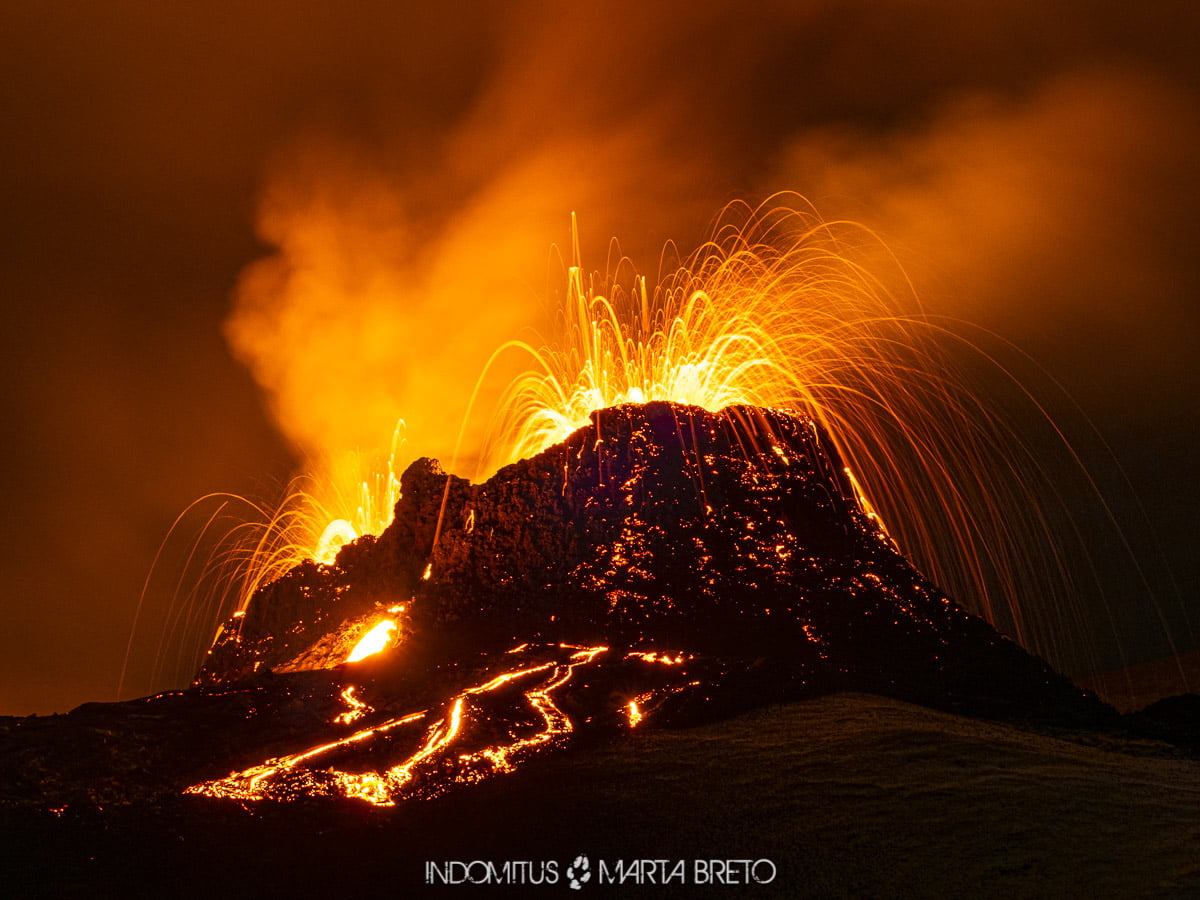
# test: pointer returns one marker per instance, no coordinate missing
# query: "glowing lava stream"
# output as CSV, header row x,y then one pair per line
x,y
289,776
357,709
634,713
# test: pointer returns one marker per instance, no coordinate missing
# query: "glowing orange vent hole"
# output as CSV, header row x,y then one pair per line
x,y
378,638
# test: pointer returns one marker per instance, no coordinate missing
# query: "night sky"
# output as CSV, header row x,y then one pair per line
x,y
404,172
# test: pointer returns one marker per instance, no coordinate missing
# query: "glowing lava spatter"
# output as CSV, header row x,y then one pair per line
x,y
240,546
362,491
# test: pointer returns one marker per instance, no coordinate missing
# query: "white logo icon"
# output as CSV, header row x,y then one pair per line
x,y
578,873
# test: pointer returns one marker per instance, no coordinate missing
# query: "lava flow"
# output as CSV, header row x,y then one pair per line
x,y
479,732
374,641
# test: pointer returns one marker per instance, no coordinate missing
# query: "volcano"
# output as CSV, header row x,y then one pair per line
x,y
664,567
663,564
735,540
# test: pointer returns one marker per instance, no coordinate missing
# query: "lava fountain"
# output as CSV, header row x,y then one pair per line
x,y
774,312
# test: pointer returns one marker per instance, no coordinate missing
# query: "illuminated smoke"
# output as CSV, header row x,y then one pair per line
x,y
1033,215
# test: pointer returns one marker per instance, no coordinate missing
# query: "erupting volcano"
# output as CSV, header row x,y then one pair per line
x,y
662,540
673,532
670,542
773,313
425,475
663,562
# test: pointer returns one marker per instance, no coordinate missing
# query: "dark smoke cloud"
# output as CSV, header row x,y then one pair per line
x,y
1033,166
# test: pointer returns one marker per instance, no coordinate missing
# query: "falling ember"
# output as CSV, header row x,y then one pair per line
x,y
374,641
863,502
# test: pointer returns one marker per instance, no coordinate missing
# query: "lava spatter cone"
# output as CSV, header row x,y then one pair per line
x,y
734,536
664,564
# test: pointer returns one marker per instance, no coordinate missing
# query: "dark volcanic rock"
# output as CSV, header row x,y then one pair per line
x,y
732,535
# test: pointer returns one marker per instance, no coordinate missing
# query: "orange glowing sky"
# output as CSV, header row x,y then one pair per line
x,y
383,185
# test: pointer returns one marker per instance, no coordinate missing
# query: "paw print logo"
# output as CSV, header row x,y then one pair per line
x,y
579,873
